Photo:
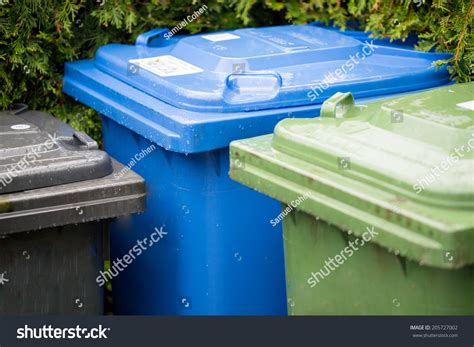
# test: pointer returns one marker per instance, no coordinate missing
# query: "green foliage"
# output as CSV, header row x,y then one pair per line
x,y
38,36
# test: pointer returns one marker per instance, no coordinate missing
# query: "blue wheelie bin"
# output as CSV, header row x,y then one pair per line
x,y
171,105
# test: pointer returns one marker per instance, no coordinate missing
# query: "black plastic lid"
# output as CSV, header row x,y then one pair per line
x,y
37,150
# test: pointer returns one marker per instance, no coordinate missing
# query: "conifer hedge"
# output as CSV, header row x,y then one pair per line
x,y
38,36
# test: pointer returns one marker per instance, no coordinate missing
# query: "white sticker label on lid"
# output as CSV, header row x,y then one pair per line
x,y
20,126
220,37
164,66
468,105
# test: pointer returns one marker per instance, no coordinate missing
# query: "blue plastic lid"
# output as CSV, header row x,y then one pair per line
x,y
197,93
254,69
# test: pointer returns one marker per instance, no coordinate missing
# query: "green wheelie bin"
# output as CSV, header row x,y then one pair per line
x,y
378,203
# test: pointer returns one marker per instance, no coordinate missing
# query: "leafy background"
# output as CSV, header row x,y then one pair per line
x,y
38,36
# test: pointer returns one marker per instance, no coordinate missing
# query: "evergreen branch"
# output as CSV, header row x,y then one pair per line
x,y
466,21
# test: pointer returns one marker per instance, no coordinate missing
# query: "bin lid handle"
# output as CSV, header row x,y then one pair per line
x,y
151,38
248,87
18,108
337,105
89,143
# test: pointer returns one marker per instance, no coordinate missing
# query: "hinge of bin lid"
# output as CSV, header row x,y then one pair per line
x,y
18,108
85,140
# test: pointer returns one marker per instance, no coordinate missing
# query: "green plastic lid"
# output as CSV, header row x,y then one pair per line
x,y
403,165
420,146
